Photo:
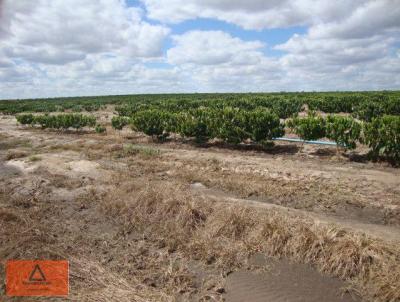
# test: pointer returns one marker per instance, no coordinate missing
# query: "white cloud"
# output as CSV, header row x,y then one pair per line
x,y
56,31
213,48
367,20
349,47
217,61
254,14
56,47
81,47
249,14
346,43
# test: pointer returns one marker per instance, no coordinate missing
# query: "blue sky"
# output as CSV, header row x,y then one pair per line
x,y
87,47
271,37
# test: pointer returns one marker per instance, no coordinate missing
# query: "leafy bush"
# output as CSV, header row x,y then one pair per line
x,y
262,125
61,121
392,107
152,122
285,108
368,110
119,122
311,127
345,131
196,123
25,119
378,107
230,125
335,104
100,129
382,135
170,122
45,121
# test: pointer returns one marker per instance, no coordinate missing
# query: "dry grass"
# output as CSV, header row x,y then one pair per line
x,y
105,265
10,143
103,286
151,228
8,216
316,195
133,150
74,146
34,158
14,154
162,227
226,235
293,193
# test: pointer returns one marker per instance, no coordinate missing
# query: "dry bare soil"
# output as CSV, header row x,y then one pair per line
x,y
141,221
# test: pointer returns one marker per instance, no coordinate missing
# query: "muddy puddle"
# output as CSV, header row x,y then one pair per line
x,y
282,281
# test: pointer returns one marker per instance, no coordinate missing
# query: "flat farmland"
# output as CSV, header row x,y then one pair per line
x,y
169,199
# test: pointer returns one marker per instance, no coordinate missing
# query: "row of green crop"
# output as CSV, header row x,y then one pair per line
x,y
381,135
260,126
236,126
363,105
345,131
283,107
46,106
229,124
60,121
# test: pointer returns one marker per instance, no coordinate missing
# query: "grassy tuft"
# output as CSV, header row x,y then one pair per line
x,y
133,150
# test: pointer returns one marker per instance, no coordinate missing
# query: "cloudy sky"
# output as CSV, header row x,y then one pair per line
x,y
95,47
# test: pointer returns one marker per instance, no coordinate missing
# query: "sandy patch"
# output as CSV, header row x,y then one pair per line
x,y
285,282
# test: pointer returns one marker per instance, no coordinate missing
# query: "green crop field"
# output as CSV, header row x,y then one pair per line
x,y
347,118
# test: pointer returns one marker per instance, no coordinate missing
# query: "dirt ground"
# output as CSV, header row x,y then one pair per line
x,y
141,221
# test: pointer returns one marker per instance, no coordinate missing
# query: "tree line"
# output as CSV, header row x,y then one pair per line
x,y
59,121
260,126
235,126
362,105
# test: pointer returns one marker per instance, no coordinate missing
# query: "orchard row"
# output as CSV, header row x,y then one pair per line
x,y
362,105
260,126
235,126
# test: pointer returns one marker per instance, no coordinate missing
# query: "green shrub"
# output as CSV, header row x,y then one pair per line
x,y
64,121
368,110
392,106
382,135
345,131
100,129
25,119
43,120
335,104
376,107
171,122
311,127
285,108
262,125
197,123
230,125
152,122
119,122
